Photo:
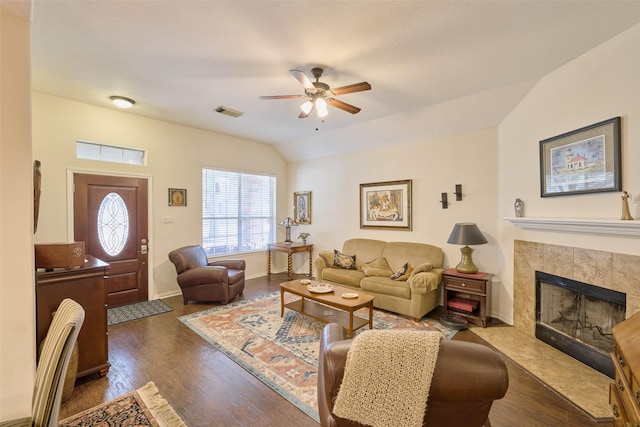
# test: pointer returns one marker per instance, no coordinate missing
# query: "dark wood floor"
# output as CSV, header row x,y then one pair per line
x,y
208,389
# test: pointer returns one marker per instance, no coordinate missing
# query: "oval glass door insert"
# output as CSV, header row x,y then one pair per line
x,y
113,224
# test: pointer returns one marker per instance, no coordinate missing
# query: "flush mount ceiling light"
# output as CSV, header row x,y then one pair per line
x,y
122,102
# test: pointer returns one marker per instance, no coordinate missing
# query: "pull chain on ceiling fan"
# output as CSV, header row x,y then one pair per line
x,y
319,95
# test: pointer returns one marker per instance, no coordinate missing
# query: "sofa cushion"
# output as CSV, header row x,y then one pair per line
x,y
399,253
377,267
345,261
386,286
342,276
366,249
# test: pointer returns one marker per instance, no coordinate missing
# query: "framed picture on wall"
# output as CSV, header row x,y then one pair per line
x,y
177,197
386,205
586,160
302,207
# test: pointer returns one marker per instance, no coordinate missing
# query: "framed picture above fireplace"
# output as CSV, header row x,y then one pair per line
x,y
586,160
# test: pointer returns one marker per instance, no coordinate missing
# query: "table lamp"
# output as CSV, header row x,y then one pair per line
x,y
288,222
466,233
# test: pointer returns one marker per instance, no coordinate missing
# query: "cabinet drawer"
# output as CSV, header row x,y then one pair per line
x,y
468,285
619,415
625,394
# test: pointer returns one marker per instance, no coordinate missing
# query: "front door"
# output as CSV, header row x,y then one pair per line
x,y
110,216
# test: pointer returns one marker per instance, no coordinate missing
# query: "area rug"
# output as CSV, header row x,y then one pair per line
x,y
136,311
143,407
282,352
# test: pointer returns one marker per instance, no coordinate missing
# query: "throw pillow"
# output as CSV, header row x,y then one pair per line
x,y
400,272
427,266
344,261
407,274
377,267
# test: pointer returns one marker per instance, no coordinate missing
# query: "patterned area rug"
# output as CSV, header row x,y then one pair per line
x,y
143,407
282,352
136,311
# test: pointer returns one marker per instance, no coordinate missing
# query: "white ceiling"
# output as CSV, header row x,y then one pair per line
x,y
435,67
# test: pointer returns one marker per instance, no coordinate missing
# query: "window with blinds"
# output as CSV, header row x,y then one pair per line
x,y
238,211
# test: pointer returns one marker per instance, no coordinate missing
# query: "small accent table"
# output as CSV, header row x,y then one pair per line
x,y
467,295
289,249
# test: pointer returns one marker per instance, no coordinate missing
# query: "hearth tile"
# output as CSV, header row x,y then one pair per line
x,y
588,395
626,274
633,305
585,387
594,267
555,260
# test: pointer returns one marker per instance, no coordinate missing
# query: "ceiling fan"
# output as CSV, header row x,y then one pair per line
x,y
319,94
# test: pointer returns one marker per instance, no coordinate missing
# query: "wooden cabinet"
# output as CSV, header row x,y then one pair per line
x,y
87,286
624,392
467,295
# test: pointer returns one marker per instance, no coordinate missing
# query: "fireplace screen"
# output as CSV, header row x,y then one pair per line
x,y
577,318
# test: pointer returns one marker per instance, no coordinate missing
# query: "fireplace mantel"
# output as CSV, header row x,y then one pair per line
x,y
586,226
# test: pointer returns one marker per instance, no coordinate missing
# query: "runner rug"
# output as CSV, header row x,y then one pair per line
x,y
137,310
282,352
143,407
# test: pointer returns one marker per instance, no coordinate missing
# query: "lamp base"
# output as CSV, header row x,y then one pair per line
x,y
466,264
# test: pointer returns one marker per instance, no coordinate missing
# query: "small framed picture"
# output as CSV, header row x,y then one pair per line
x,y
302,207
177,197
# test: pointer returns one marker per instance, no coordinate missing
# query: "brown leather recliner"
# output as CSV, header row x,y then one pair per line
x,y
467,378
201,280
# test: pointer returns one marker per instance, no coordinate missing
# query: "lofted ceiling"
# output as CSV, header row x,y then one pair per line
x,y
435,67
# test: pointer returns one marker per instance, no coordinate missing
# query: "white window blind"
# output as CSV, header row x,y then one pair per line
x,y
237,211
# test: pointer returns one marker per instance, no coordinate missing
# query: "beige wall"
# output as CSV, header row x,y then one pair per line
x,y
176,155
599,85
434,166
17,296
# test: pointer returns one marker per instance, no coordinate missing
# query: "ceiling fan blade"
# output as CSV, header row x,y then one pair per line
x,y
282,96
357,87
343,106
302,78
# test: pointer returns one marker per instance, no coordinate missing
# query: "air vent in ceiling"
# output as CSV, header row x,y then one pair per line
x,y
228,111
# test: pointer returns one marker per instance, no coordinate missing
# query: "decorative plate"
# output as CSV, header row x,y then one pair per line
x,y
320,289
305,281
350,295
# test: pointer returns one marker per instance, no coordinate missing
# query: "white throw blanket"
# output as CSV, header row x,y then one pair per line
x,y
387,377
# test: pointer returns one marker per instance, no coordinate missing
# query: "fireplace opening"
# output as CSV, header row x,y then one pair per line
x,y
576,318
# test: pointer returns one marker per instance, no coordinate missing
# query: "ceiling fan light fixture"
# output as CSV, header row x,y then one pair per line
x,y
122,102
321,105
306,107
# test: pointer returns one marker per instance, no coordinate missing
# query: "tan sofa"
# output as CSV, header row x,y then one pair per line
x,y
416,296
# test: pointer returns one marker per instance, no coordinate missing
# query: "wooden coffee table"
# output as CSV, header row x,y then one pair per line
x,y
328,307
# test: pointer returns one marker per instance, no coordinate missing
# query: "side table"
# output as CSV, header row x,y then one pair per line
x,y
467,295
289,249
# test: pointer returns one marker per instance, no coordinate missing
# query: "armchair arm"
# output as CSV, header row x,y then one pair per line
x,y
332,359
234,264
203,276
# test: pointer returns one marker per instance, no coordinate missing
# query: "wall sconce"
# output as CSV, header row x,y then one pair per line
x,y
444,201
458,192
